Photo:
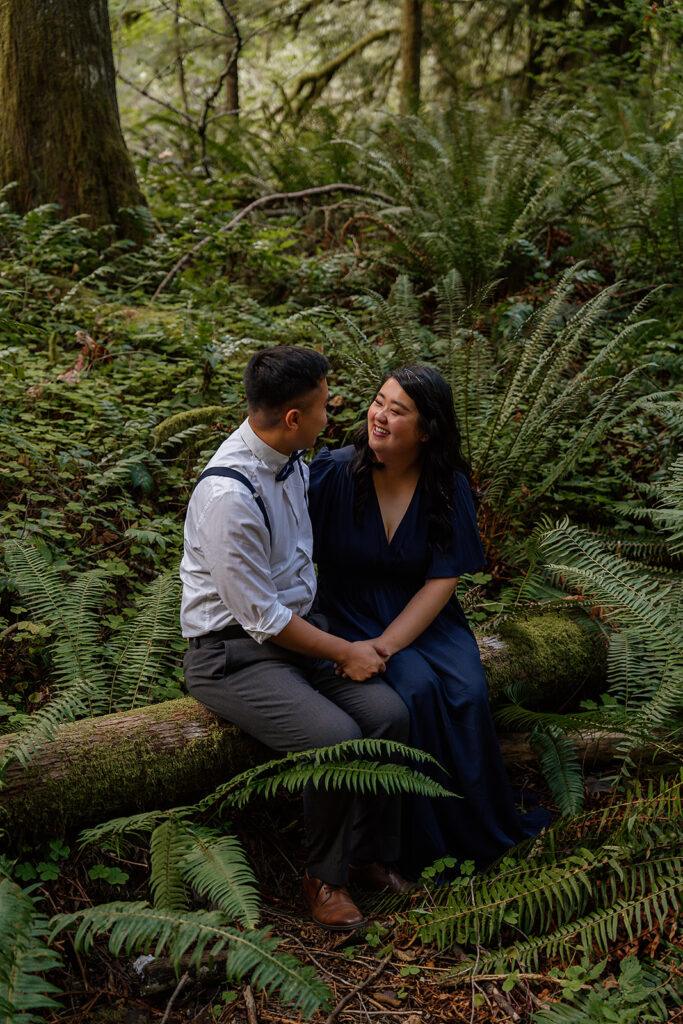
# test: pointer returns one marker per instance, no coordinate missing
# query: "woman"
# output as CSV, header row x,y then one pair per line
x,y
394,527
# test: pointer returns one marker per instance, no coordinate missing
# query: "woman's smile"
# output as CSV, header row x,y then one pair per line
x,y
394,423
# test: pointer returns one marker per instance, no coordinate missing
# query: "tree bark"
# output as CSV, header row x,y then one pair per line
x,y
60,136
169,754
232,87
411,49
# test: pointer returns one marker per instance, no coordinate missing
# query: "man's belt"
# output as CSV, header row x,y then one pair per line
x,y
218,635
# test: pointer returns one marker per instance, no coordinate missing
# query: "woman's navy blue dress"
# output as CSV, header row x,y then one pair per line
x,y
364,582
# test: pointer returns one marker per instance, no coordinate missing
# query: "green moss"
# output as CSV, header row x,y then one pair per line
x,y
550,656
128,772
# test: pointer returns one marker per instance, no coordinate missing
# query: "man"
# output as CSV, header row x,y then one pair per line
x,y
255,656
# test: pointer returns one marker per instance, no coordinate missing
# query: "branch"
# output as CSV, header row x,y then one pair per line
x,y
355,991
262,201
319,79
163,103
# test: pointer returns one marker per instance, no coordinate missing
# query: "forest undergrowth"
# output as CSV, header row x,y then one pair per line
x,y
538,264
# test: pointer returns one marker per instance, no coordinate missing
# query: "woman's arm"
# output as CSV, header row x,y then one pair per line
x,y
419,613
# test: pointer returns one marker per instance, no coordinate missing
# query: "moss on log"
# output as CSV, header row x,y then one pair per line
x,y
549,656
157,756
168,754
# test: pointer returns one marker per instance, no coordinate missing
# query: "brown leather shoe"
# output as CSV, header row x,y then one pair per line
x,y
383,877
331,906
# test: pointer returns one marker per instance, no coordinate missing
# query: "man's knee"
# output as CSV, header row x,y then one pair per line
x,y
332,731
398,721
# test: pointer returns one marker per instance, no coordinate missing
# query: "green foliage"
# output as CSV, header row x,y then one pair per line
x,y
90,677
95,474
332,767
217,868
571,895
25,957
484,196
187,855
213,864
636,997
134,926
527,415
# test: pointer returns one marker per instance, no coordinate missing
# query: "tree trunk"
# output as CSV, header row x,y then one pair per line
x,y
171,753
232,87
411,47
60,137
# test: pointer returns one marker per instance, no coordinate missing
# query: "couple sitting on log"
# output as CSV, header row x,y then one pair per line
x,y
382,649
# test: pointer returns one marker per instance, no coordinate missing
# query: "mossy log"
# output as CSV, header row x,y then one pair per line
x,y
168,754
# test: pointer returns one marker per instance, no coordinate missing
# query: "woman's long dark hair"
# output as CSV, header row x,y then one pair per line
x,y
442,451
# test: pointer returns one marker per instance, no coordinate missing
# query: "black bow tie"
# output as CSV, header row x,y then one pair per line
x,y
289,466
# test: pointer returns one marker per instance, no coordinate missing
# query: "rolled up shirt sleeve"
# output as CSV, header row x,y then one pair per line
x,y
236,545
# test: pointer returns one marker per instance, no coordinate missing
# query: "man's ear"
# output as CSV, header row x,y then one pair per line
x,y
293,418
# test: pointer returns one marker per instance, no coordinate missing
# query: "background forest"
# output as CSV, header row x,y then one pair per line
x,y
493,187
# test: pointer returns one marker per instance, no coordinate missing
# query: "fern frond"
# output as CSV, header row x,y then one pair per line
x,y
332,766
169,846
24,958
74,703
596,930
218,869
133,824
176,425
144,646
71,611
136,926
560,765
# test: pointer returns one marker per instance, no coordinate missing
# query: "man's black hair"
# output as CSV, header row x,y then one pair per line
x,y
278,376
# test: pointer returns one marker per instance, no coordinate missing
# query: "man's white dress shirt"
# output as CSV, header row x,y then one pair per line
x,y
231,572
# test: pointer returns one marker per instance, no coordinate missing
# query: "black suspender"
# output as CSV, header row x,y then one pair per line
x,y
235,475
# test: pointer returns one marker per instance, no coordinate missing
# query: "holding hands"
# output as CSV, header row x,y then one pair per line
x,y
365,658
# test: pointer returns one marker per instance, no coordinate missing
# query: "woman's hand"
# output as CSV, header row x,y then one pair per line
x,y
365,658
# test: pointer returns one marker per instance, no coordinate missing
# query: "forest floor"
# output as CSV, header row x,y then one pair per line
x,y
382,974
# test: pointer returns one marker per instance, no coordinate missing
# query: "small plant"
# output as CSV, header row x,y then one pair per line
x,y
639,995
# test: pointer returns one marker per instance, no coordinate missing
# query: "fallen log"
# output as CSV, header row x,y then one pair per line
x,y
168,754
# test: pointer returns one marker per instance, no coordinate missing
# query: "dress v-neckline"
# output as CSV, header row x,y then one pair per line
x,y
383,529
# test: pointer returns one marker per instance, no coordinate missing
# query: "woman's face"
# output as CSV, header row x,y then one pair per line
x,y
393,424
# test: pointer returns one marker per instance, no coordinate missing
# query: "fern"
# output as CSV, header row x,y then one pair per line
x,y
143,646
91,677
217,868
176,428
333,767
560,765
169,846
25,957
136,926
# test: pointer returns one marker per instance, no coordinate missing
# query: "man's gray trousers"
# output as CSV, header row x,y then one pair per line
x,y
292,702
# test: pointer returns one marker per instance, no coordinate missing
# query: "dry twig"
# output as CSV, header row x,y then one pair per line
x,y
355,991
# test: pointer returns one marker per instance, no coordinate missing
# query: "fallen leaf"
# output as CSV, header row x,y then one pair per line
x,y
387,998
406,955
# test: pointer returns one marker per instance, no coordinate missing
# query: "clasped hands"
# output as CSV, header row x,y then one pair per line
x,y
365,658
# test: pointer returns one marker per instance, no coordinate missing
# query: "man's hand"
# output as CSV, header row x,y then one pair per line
x,y
364,659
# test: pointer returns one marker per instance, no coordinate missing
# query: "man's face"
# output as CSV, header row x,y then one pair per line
x,y
312,416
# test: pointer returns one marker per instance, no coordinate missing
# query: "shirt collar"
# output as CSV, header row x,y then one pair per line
x,y
273,459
